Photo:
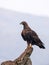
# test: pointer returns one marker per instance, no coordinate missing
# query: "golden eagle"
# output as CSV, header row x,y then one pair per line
x,y
30,36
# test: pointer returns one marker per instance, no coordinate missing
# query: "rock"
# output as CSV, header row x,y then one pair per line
x,y
23,59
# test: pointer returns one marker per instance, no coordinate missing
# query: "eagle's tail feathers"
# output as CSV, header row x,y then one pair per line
x,y
42,46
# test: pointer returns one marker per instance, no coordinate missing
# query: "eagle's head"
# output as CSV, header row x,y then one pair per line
x,y
23,23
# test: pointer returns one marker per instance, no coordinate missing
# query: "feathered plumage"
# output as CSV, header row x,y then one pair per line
x,y
31,36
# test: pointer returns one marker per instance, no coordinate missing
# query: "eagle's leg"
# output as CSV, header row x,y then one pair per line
x,y
29,44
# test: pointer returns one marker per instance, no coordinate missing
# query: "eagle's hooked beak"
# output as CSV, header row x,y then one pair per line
x,y
21,23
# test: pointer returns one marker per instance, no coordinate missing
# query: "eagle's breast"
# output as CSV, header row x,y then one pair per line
x,y
24,34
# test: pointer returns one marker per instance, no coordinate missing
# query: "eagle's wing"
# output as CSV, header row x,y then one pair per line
x,y
33,36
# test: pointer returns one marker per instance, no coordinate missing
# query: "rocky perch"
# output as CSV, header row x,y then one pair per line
x,y
23,59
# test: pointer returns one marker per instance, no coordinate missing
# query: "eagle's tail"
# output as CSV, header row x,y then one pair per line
x,y
42,46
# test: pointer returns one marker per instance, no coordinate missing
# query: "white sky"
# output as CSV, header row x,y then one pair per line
x,y
36,7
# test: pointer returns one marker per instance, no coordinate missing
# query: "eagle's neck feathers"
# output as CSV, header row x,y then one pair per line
x,y
26,27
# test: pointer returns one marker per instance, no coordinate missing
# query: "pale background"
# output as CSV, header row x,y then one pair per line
x,y
37,7
36,13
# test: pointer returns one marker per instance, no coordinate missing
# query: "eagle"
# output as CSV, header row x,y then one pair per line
x,y
30,36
